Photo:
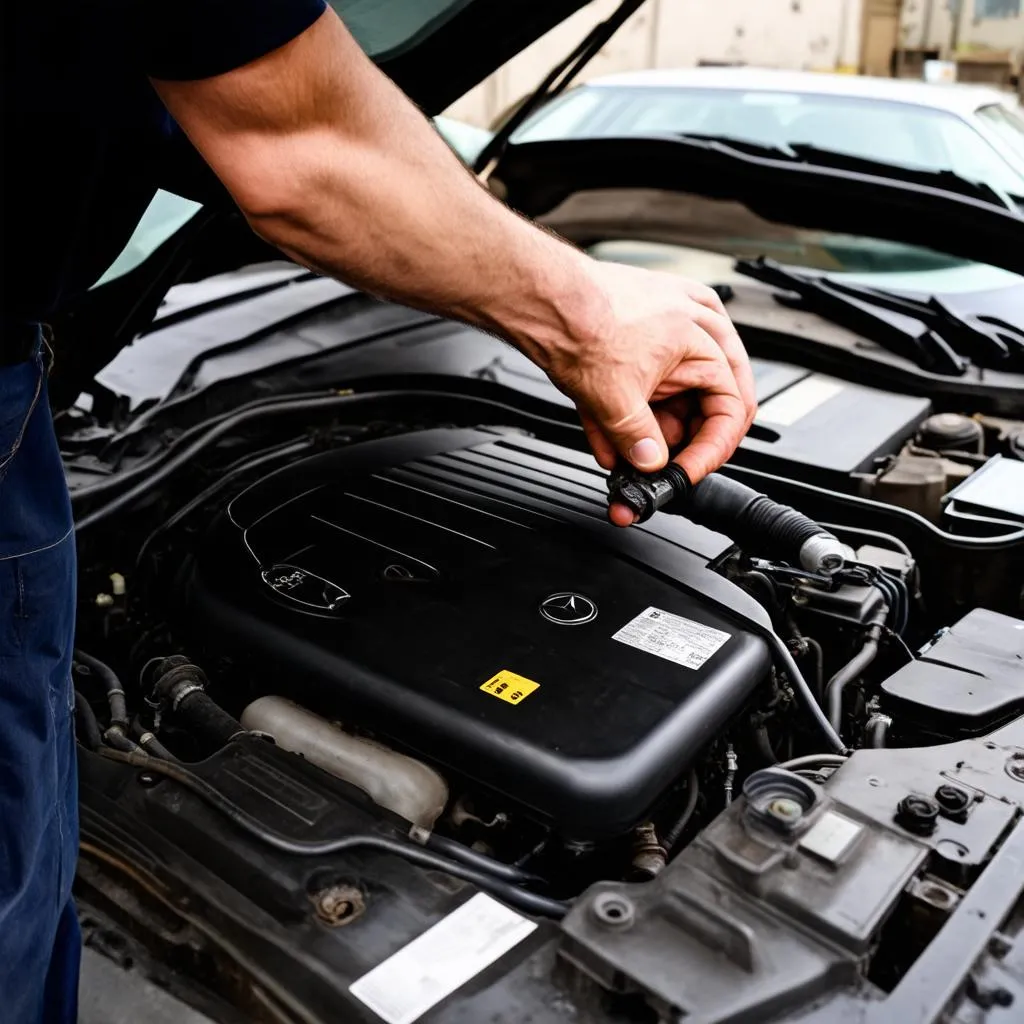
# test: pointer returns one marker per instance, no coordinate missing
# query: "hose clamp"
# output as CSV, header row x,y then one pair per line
x,y
181,694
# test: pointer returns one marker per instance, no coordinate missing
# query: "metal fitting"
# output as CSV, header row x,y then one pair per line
x,y
822,553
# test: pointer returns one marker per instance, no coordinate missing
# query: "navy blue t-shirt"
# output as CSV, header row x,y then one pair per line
x,y
84,132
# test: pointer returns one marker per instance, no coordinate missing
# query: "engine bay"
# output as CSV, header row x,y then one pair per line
x,y
336,645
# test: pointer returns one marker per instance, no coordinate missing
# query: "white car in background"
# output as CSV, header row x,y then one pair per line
x,y
974,131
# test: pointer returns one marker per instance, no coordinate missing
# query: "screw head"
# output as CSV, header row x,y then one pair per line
x,y
148,779
1015,767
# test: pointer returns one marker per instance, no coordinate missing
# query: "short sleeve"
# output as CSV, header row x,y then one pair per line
x,y
183,40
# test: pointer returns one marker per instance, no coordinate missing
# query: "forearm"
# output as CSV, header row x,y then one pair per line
x,y
361,187
396,214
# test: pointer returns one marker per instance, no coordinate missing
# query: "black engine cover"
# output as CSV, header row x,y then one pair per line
x,y
460,593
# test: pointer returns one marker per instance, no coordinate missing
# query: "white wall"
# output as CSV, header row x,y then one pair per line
x,y
805,34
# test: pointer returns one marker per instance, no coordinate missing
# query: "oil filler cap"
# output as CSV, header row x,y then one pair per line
x,y
779,799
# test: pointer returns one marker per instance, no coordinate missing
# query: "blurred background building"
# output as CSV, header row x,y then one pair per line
x,y
984,40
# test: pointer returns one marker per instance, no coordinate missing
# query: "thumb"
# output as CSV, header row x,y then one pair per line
x,y
635,434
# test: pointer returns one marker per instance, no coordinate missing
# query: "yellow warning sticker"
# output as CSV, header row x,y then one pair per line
x,y
509,687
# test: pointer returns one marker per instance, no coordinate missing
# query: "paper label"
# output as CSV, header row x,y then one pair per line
x,y
441,960
509,687
672,637
793,404
830,837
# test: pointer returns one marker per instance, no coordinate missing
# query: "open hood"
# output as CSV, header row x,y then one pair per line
x,y
811,189
413,40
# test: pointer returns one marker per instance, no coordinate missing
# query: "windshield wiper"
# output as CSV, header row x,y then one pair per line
x,y
815,156
987,341
902,332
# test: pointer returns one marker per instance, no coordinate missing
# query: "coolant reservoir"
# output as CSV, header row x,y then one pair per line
x,y
398,783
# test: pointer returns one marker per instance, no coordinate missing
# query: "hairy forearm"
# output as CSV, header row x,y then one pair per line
x,y
397,215
345,175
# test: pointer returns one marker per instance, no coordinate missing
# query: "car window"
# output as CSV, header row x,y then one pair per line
x,y
1007,124
164,215
899,133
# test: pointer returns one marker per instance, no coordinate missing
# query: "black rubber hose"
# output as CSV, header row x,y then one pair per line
x,y
803,691
819,665
529,902
181,686
472,858
877,729
764,744
87,723
149,742
111,683
672,835
754,521
853,668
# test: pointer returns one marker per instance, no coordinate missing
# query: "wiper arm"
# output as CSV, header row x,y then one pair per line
x,y
816,156
925,348
987,341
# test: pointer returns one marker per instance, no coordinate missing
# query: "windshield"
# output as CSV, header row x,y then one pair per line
x,y
1007,124
899,133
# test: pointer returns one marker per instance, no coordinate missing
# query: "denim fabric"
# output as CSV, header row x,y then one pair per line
x,y
39,937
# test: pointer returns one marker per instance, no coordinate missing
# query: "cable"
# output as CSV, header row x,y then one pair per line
x,y
813,761
902,644
672,836
859,531
474,859
799,684
531,903
148,741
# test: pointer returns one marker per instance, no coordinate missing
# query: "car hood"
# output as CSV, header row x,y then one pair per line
x,y
436,50
823,191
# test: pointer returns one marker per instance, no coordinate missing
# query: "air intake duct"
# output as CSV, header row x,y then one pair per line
x,y
757,525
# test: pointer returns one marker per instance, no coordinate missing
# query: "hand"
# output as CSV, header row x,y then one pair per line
x,y
657,364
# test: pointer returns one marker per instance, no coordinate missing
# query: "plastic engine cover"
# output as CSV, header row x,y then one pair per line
x,y
459,593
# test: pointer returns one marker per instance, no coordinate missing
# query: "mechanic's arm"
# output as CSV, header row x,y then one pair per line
x,y
332,164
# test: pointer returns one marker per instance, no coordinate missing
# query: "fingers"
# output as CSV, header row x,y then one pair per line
x,y
716,437
716,323
633,434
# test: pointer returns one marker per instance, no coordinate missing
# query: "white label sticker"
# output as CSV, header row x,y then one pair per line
x,y
672,637
831,836
442,959
793,404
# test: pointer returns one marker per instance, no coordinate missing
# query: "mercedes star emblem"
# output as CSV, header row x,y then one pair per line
x,y
568,609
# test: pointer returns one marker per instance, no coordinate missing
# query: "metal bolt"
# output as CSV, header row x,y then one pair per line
x,y
339,904
1015,767
148,779
917,814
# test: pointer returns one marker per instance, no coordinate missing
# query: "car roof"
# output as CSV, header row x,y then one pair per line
x,y
956,98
